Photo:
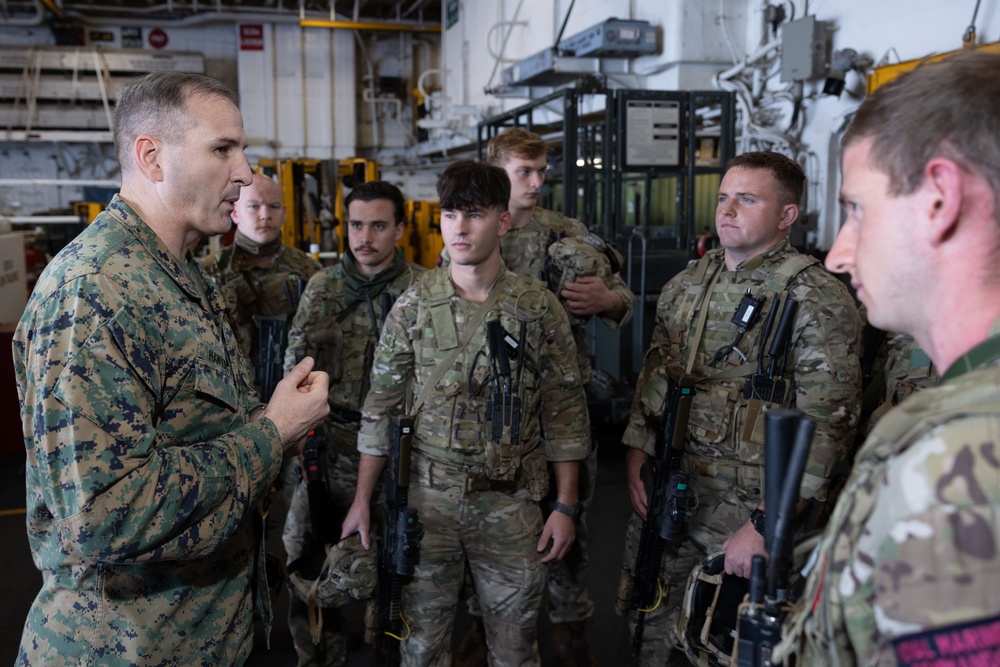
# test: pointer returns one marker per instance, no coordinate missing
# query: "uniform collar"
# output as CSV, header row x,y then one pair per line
x,y
182,272
985,354
780,248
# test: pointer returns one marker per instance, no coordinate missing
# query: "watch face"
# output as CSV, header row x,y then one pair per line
x,y
757,519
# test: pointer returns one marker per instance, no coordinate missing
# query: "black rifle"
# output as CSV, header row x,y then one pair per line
x,y
769,386
760,620
268,370
668,508
400,547
324,516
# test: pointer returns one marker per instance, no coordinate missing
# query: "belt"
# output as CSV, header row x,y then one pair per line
x,y
718,468
439,474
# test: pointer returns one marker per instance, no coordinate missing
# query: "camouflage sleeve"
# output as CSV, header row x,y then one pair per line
x,y
928,558
113,464
617,285
825,363
564,418
641,430
392,373
613,280
307,314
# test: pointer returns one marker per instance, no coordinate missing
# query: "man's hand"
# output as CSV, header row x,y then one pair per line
x,y
590,296
741,548
634,460
298,405
358,520
561,530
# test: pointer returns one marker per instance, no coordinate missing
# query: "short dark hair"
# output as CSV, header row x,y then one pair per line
x,y
375,190
467,185
515,142
946,107
789,174
156,104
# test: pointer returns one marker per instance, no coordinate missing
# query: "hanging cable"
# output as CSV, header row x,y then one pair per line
x,y
969,38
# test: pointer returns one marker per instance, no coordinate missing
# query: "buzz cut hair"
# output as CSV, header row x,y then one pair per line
x,y
787,172
156,104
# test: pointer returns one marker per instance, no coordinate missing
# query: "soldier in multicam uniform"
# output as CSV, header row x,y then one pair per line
x,y
908,571
338,324
145,457
695,336
260,278
576,264
477,495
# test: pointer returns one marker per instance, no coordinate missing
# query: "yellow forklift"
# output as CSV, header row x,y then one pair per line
x,y
313,193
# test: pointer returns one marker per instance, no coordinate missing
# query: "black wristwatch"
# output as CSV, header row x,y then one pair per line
x,y
757,519
572,511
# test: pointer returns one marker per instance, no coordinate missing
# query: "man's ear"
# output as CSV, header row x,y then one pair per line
x,y
504,222
789,214
147,156
944,198
400,228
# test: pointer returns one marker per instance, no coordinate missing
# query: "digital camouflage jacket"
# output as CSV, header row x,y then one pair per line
x,y
143,474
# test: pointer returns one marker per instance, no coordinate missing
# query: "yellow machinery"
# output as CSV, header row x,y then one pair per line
x,y
422,242
883,75
313,192
87,210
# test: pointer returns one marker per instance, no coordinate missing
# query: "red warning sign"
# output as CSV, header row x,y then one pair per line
x,y
252,37
158,38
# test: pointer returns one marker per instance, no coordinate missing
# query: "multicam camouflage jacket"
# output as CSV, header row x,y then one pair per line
x,y
821,371
143,473
452,424
342,339
908,572
552,246
249,291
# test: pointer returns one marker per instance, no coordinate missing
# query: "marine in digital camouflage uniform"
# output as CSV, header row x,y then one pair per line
x,y
477,498
259,276
908,571
724,449
337,323
576,265
145,463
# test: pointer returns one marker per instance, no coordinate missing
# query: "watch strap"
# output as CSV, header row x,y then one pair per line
x,y
572,511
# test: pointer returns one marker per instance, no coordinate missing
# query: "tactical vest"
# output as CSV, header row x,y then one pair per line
x,y
723,423
264,292
452,425
343,340
824,627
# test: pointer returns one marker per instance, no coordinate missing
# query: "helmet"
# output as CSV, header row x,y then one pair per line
x,y
347,571
707,622
706,625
